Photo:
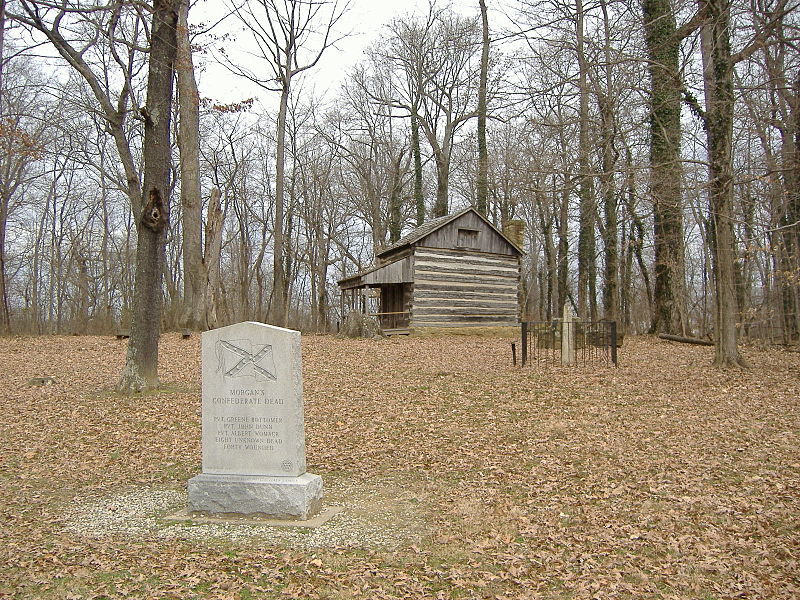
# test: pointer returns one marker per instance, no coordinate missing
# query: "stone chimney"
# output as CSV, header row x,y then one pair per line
x,y
514,230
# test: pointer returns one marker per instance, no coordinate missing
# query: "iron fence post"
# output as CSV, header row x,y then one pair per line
x,y
524,342
614,343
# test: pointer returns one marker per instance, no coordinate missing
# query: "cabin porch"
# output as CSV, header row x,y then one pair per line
x,y
387,302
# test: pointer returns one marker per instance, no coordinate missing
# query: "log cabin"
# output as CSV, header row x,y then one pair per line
x,y
454,271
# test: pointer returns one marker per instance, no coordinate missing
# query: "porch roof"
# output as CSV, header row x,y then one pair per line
x,y
398,271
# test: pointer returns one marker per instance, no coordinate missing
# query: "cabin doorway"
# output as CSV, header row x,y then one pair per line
x,y
394,306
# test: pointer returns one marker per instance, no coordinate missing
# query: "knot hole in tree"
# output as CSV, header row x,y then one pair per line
x,y
153,216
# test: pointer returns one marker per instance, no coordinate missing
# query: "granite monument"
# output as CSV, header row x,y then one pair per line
x,y
253,432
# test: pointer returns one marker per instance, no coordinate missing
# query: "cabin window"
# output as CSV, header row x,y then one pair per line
x,y
468,238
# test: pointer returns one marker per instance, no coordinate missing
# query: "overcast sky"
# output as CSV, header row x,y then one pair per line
x,y
364,21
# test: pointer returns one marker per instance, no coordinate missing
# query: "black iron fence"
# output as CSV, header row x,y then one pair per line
x,y
568,343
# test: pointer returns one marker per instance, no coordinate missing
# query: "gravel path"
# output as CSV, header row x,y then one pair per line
x,y
143,512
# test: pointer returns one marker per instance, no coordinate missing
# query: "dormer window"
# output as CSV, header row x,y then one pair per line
x,y
468,238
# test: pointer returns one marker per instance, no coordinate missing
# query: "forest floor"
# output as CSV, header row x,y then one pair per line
x,y
460,476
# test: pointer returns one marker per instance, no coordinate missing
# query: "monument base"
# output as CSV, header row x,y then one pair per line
x,y
277,497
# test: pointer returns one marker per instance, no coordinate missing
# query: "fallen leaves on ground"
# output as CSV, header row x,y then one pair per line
x,y
664,478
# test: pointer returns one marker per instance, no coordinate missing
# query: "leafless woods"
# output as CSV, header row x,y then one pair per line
x,y
650,147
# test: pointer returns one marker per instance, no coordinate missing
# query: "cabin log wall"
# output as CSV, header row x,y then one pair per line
x,y
455,288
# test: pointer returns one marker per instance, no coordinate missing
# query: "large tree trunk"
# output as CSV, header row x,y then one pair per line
x,y
141,362
189,147
483,154
663,47
610,228
718,83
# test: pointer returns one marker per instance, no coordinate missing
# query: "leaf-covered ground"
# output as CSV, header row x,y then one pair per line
x,y
664,478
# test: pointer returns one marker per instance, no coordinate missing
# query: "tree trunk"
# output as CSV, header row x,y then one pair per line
x,y
718,84
663,47
290,263
610,229
442,160
419,200
5,313
278,305
189,147
790,230
141,362
546,227
586,244
637,229
483,154
211,260
685,340
396,199
563,248
2,56
608,128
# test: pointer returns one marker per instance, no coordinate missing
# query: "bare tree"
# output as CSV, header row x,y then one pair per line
x,y
21,144
483,154
434,61
773,110
372,145
236,159
718,65
605,93
123,28
663,39
141,360
587,268
189,146
211,261
81,44
291,37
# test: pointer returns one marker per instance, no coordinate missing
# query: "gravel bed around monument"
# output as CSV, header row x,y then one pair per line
x,y
142,513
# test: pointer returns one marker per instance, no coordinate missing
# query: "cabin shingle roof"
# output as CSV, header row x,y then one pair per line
x,y
421,231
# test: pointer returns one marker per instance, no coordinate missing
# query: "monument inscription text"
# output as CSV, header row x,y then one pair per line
x,y
252,405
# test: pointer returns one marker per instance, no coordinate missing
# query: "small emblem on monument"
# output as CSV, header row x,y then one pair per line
x,y
241,358
287,466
